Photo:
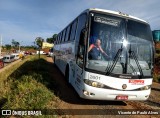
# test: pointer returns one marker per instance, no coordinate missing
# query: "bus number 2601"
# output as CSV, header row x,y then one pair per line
x,y
94,77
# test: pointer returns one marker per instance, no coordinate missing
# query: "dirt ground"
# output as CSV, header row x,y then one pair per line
x,y
67,98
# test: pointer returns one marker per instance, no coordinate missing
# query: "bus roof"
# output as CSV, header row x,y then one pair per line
x,y
120,14
115,13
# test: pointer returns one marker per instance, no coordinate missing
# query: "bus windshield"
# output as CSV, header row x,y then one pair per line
x,y
119,46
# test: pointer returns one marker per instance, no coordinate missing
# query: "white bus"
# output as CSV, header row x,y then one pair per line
x,y
120,68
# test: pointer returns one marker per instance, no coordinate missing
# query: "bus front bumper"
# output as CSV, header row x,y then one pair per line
x,y
105,94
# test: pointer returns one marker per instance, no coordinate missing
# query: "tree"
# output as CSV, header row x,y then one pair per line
x,y
15,43
49,40
3,47
8,47
39,41
52,39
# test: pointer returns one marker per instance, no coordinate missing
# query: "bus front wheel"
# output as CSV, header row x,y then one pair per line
x,y
67,74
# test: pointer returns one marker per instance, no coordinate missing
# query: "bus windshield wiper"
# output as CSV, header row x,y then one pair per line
x,y
132,54
110,68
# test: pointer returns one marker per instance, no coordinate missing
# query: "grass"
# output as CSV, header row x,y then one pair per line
x,y
26,85
156,78
27,93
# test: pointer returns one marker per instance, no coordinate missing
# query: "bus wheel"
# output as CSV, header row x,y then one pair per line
x,y
67,74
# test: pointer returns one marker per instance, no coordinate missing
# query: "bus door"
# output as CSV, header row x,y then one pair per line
x,y
79,68
80,44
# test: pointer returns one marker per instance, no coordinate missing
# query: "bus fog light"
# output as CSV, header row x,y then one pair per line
x,y
85,92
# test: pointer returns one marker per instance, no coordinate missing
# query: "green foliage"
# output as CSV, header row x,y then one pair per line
x,y
39,41
157,57
15,43
52,39
8,47
156,76
54,36
27,86
27,93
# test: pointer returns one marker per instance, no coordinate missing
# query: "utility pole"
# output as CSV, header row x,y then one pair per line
x,y
20,46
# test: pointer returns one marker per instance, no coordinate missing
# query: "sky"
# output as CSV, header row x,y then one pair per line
x,y
24,20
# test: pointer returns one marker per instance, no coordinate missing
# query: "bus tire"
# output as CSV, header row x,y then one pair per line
x,y
54,60
67,74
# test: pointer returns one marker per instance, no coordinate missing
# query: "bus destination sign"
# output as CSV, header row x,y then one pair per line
x,y
107,21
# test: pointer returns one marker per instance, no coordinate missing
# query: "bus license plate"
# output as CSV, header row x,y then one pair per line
x,y
122,97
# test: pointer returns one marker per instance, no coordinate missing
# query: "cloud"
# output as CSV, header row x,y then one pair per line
x,y
26,20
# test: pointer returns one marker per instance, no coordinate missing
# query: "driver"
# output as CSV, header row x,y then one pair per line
x,y
95,50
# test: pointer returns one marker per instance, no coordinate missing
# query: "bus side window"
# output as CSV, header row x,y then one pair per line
x,y
63,36
73,30
68,33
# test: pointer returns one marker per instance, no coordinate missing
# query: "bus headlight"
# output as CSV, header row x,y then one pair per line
x,y
145,87
93,83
